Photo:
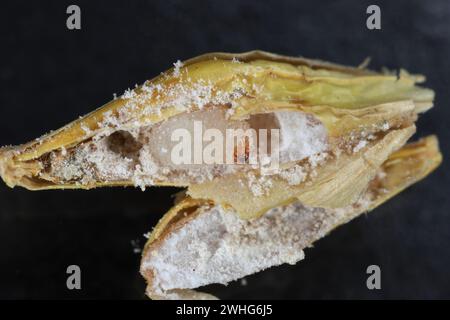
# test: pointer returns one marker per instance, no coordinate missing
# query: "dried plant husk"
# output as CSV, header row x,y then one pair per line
x,y
336,184
351,103
403,168
344,99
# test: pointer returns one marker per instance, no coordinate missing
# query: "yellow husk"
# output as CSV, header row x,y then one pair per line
x,y
403,168
336,185
259,82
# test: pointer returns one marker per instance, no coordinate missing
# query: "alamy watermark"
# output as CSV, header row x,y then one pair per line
x,y
232,147
73,21
374,280
73,281
374,19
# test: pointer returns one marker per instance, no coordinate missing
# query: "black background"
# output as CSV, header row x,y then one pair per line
x,y
50,75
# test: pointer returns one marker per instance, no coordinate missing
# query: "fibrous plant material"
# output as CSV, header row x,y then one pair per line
x,y
199,242
271,141
125,142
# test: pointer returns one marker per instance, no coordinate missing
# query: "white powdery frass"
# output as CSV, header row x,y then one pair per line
x,y
111,166
259,186
177,66
218,247
301,135
146,171
361,144
295,175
